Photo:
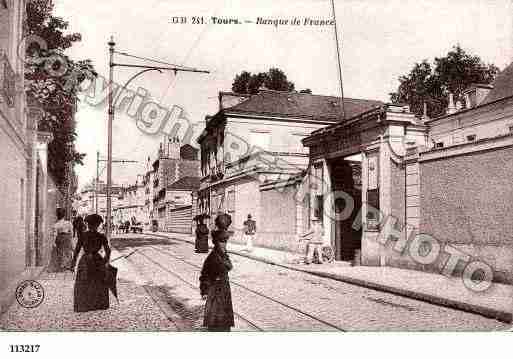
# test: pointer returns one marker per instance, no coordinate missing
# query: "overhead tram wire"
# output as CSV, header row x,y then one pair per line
x,y
153,60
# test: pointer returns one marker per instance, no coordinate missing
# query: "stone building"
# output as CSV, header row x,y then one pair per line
x,y
252,159
174,162
435,194
28,192
130,204
179,201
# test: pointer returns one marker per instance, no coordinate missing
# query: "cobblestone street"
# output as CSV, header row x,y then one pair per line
x,y
56,312
267,297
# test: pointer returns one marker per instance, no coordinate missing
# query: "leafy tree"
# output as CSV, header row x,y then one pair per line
x,y
431,84
52,82
274,79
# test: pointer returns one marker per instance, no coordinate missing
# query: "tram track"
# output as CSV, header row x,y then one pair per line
x,y
193,286
245,288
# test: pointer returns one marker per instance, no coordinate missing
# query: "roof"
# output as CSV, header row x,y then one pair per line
x,y
502,86
294,104
185,183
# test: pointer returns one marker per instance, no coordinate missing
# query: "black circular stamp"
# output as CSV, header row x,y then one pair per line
x,y
30,294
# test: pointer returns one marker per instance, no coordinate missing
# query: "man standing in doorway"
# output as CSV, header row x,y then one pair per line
x,y
249,233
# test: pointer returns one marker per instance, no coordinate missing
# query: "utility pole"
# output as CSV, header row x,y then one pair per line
x,y
109,136
96,189
144,68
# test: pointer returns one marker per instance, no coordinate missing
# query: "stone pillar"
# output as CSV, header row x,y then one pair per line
x,y
33,117
370,250
43,139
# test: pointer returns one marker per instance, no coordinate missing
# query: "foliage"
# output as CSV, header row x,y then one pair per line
x,y
431,84
274,79
52,82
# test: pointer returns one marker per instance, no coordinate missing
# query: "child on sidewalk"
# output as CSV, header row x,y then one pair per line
x,y
315,240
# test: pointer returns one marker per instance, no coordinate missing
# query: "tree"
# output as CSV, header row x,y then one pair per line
x,y
52,83
431,84
274,79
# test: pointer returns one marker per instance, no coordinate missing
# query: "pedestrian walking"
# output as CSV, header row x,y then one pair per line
x,y
63,232
249,233
214,281
201,244
79,226
315,240
91,288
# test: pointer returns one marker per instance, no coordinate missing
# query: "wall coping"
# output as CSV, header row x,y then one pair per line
x,y
485,144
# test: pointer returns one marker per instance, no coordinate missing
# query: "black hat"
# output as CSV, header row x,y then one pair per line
x,y
94,219
223,221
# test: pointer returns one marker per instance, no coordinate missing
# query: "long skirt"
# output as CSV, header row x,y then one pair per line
x,y
201,244
219,308
91,291
61,254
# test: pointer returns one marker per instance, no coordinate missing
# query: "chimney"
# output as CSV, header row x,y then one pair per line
x,y
475,94
425,116
451,108
174,148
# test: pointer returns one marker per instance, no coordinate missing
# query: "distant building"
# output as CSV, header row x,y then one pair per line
x,y
130,204
93,199
179,199
174,162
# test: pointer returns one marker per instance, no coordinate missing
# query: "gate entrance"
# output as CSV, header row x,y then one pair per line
x,y
345,176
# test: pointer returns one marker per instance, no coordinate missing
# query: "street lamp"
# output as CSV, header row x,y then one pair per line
x,y
144,68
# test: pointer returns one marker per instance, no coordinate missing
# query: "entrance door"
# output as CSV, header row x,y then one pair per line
x,y
345,176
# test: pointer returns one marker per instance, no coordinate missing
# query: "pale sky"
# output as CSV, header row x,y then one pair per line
x,y
380,40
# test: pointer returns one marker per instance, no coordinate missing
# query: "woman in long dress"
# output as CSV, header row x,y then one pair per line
x,y
91,291
201,244
214,281
63,230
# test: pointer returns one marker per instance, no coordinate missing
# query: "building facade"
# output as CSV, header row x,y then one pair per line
x,y
253,160
28,192
434,194
174,162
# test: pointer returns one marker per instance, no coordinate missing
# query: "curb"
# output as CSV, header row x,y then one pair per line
x,y
503,316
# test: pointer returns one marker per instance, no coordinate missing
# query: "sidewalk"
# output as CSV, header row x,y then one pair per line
x,y
496,302
56,311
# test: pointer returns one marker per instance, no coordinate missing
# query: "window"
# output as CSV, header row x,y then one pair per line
x,y
318,209
471,138
260,140
231,201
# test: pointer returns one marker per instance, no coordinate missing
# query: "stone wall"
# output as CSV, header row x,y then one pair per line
x,y
467,201
13,167
279,215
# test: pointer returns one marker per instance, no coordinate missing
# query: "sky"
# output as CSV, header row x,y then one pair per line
x,y
380,41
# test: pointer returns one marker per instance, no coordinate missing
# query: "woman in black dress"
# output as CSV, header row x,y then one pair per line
x,y
214,281
91,291
201,244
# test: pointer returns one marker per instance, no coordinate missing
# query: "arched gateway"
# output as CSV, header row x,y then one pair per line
x,y
358,177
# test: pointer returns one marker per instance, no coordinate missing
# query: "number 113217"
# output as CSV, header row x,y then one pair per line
x,y
25,348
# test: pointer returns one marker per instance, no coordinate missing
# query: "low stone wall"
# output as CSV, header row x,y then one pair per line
x,y
466,201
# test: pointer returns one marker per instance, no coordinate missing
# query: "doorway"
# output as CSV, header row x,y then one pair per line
x,y
345,175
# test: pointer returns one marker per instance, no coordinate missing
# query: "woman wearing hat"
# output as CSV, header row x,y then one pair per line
x,y
214,281
91,291
201,244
